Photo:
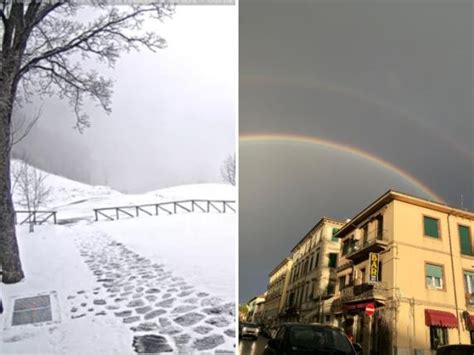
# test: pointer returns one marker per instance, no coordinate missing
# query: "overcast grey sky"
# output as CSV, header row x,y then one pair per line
x,y
173,116
393,79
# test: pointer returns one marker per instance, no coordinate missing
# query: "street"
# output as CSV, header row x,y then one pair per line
x,y
249,346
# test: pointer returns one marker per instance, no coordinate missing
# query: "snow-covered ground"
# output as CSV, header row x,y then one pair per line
x,y
171,278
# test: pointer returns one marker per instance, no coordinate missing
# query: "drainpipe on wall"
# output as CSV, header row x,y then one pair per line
x,y
454,278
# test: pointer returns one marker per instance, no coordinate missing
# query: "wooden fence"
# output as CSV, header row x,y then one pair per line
x,y
35,217
167,208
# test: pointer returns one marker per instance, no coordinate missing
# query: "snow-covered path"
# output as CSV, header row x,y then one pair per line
x,y
119,287
153,301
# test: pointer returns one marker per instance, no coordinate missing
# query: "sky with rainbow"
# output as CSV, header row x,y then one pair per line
x,y
340,102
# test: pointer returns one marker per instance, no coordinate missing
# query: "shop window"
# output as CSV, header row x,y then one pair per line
x,y
438,337
431,227
334,231
465,240
434,276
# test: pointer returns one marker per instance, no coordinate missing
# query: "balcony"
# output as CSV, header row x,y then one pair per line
x,y
360,251
364,292
347,264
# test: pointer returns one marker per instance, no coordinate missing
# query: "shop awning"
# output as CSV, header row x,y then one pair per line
x,y
440,319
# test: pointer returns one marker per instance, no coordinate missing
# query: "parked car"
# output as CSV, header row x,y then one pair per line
x,y
251,330
308,339
458,349
265,331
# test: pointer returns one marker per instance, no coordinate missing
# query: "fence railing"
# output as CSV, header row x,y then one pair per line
x,y
35,217
167,208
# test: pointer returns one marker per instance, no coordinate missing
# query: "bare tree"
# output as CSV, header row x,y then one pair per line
x,y
32,188
228,170
44,45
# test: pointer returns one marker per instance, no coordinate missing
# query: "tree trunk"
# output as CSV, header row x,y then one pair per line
x,y
9,253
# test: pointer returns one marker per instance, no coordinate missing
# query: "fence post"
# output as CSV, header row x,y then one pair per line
x,y
96,215
223,206
137,210
156,207
174,207
117,213
54,218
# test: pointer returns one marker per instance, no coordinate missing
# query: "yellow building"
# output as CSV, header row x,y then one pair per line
x,y
276,291
312,277
420,278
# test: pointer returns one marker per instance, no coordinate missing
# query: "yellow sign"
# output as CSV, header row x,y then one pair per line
x,y
373,267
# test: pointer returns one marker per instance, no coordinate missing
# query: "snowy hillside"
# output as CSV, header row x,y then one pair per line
x,y
164,283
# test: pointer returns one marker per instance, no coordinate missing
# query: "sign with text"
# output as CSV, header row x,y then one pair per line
x,y
373,267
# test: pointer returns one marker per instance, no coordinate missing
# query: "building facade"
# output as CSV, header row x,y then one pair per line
x,y
256,309
276,292
413,260
311,279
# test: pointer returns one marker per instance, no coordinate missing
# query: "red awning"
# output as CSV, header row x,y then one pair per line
x,y
440,319
356,306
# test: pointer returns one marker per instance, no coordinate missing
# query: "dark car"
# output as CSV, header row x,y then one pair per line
x,y
308,339
458,349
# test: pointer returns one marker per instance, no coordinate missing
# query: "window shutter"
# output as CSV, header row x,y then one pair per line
x,y
465,239
434,271
332,260
431,227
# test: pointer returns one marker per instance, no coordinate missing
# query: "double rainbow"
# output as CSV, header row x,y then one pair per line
x,y
302,139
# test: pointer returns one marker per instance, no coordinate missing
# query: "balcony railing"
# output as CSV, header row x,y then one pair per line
x,y
363,292
372,244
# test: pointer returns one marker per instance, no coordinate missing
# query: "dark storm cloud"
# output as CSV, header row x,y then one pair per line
x,y
392,78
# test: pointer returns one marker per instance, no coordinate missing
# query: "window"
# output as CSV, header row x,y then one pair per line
x,y
280,335
342,282
291,299
334,231
316,263
363,277
431,227
331,287
469,286
465,240
332,259
438,337
346,246
434,276
365,234
379,220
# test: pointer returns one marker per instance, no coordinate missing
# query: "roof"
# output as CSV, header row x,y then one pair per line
x,y
316,226
391,195
279,266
